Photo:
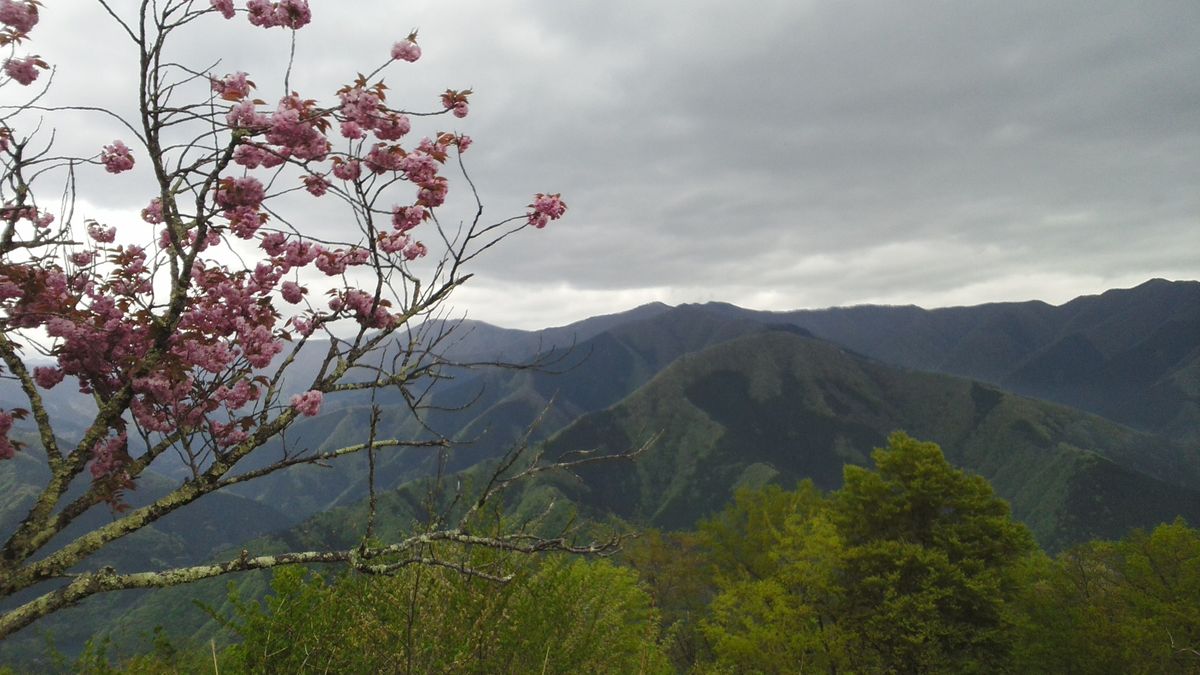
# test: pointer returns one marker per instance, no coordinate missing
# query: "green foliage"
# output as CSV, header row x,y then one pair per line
x,y
741,539
1130,606
789,619
674,568
558,616
928,561
910,568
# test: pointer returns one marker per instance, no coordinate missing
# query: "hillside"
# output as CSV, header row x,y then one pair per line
x,y
781,407
1132,355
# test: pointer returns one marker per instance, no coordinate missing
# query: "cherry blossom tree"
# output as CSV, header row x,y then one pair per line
x,y
182,323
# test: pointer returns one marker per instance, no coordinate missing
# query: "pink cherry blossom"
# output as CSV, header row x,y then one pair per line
x,y
238,395
153,213
346,170
293,14
546,208
9,290
21,17
225,7
235,192
233,87
292,292
108,456
97,232
253,156
273,243
383,158
392,127
302,325
83,258
24,70
308,403
227,435
47,377
393,242
406,50
361,106
456,101
7,450
433,192
316,185
405,218
414,250
294,128
418,167
116,157
245,116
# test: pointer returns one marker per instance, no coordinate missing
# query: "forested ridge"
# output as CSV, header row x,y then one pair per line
x,y
756,426
911,566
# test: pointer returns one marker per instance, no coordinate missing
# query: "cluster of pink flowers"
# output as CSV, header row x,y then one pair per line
x,y
398,242
546,208
237,396
47,377
294,127
335,262
24,70
40,219
245,116
316,185
225,7
101,234
383,158
456,102
405,218
293,14
407,49
362,110
153,212
292,292
253,156
7,450
233,87
365,308
240,199
109,456
19,16
308,403
245,192
346,170
116,157
97,305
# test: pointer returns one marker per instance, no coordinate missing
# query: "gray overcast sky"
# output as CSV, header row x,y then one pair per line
x,y
776,155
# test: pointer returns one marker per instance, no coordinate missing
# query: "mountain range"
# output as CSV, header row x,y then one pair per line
x,y
1085,416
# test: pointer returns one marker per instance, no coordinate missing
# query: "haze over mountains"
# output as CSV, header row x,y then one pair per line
x,y
1085,416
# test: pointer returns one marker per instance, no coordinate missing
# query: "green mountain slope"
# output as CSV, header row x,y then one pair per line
x,y
1132,355
783,407
486,411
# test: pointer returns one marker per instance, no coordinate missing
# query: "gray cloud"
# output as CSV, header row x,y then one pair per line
x,y
786,153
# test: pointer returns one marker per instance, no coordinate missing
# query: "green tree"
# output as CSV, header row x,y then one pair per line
x,y
741,539
1130,606
910,567
674,568
788,620
929,562
559,615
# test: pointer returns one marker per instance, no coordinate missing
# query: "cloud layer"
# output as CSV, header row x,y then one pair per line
x,y
776,155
